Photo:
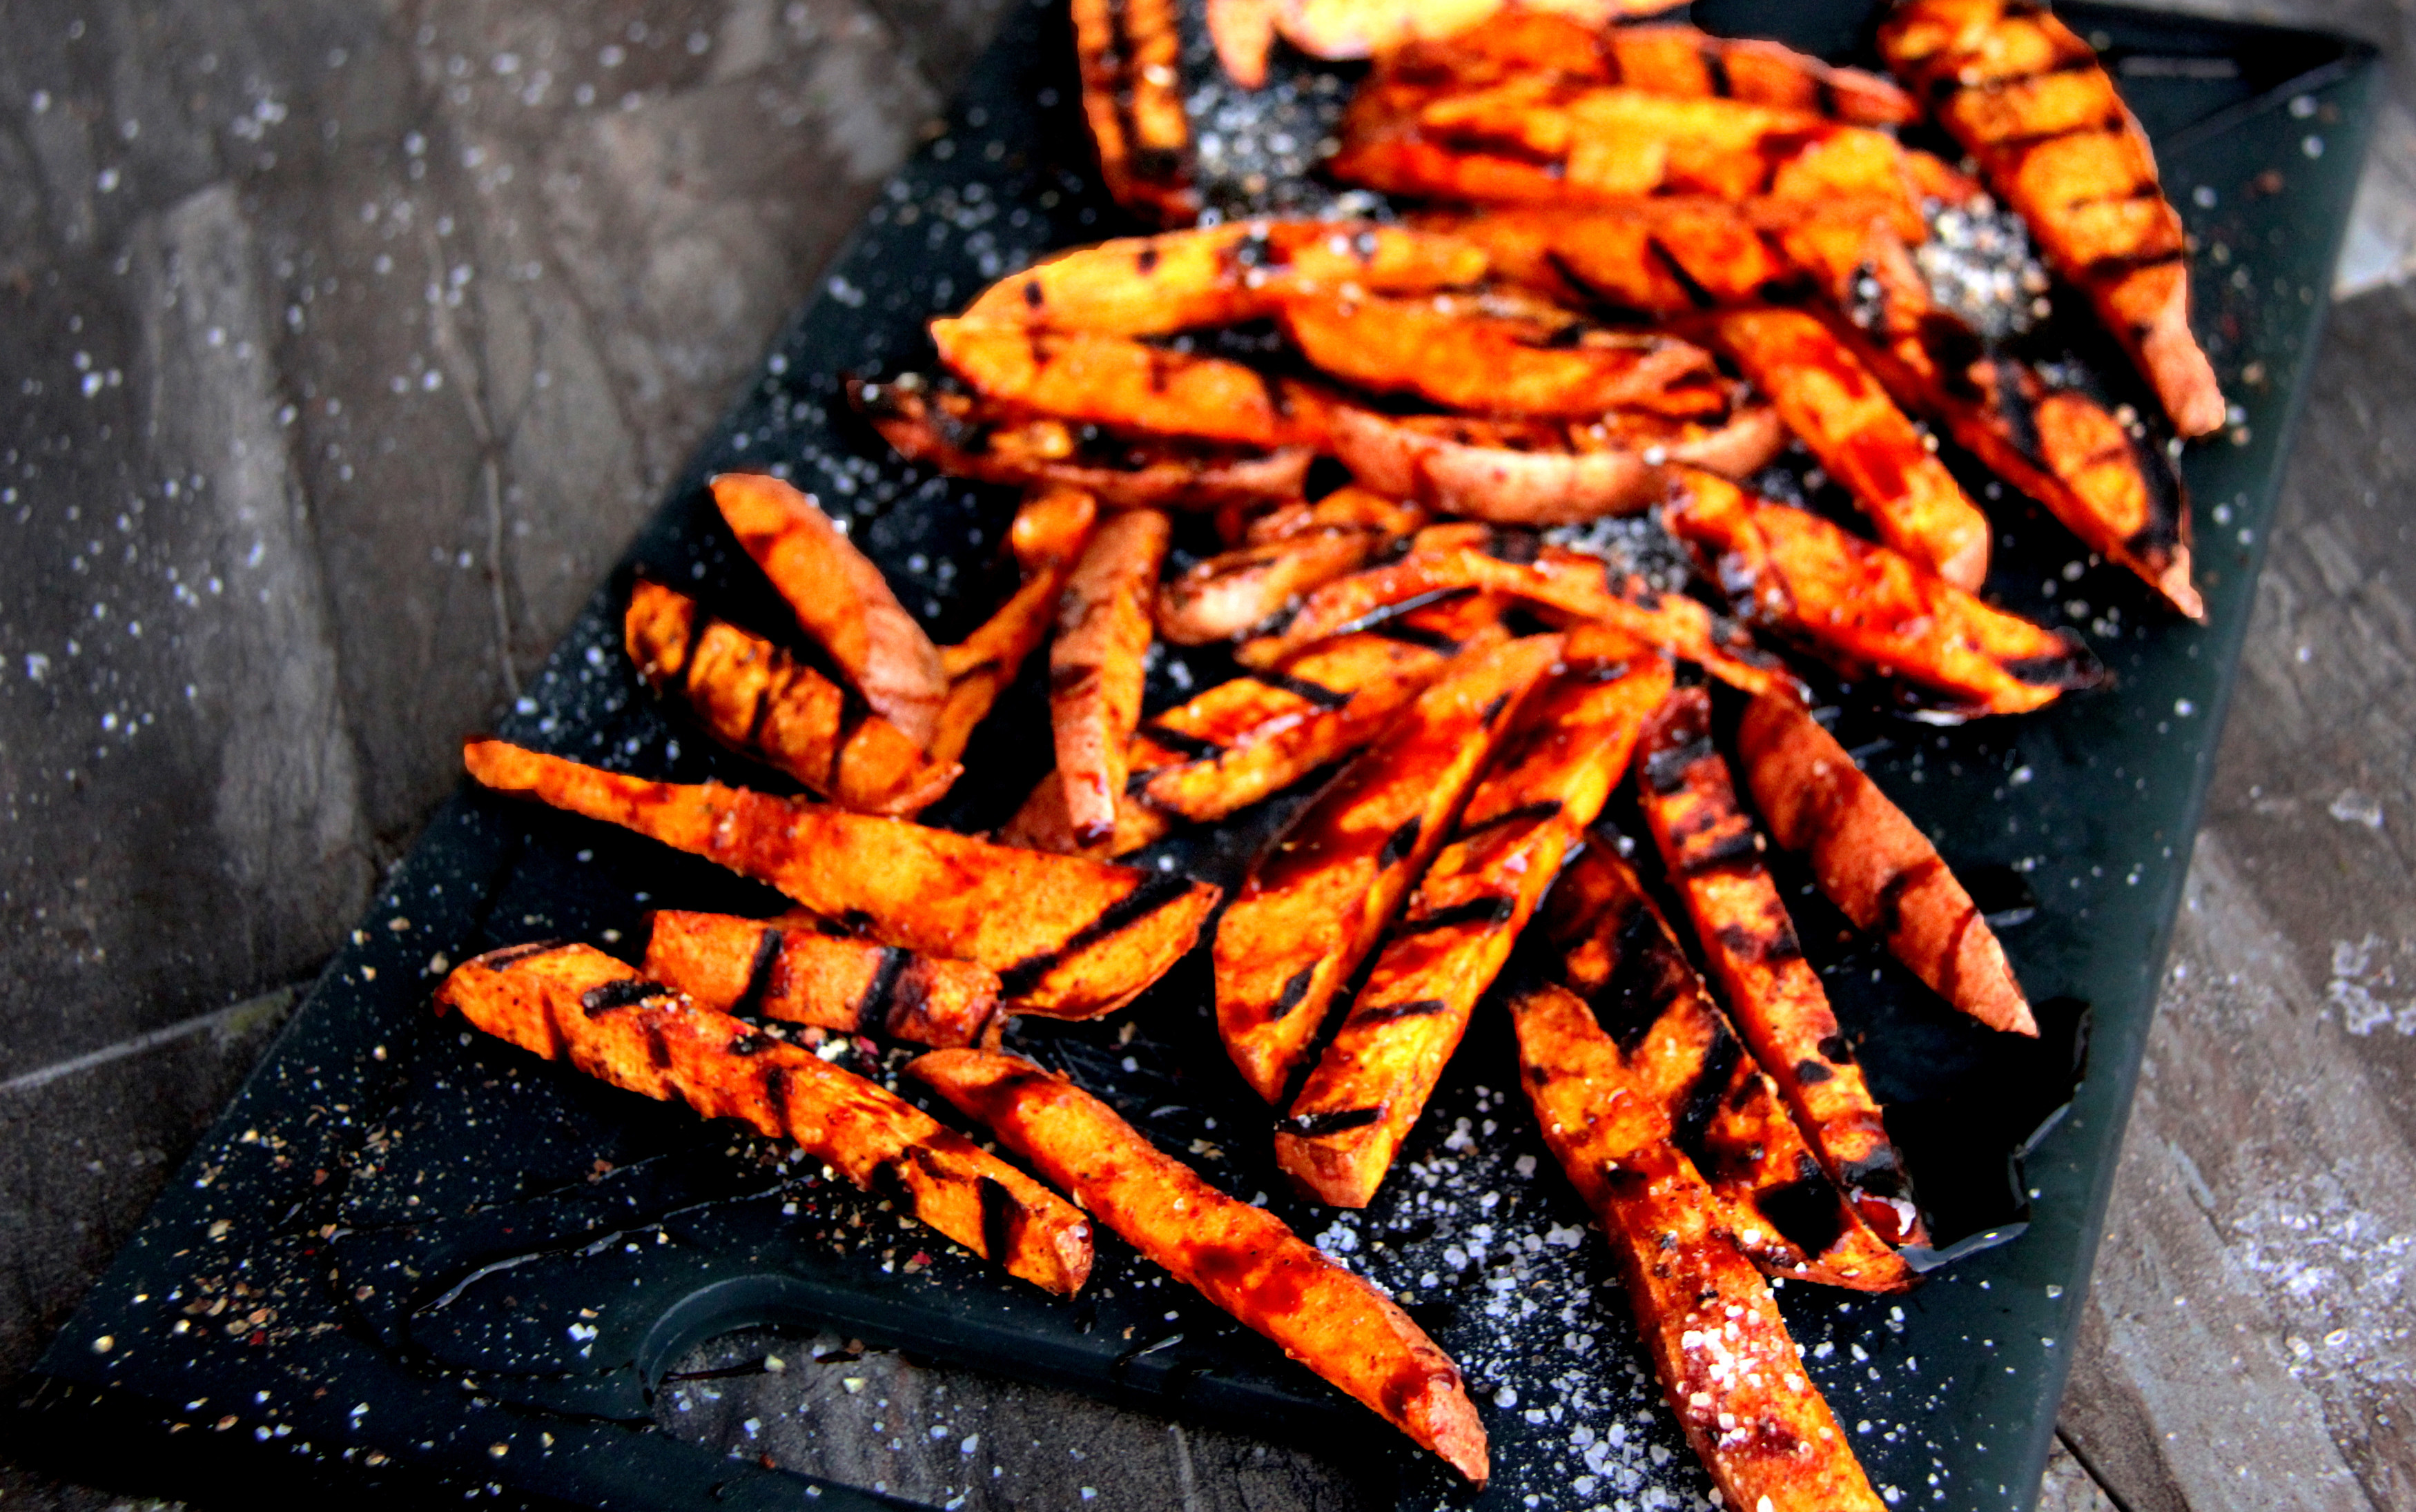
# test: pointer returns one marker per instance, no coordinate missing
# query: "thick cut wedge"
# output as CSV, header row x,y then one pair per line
x,y
1541,472
1316,903
799,974
1834,404
1048,538
2029,100
1232,591
1116,380
1247,739
1546,784
1188,280
1128,52
575,1003
1241,1258
1874,864
1865,607
1715,861
1733,1376
969,437
1654,1032
1097,664
840,599
760,701
1069,938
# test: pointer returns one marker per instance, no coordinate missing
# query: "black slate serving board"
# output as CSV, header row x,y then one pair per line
x,y
410,1258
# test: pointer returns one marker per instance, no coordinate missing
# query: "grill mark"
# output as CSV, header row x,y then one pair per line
x,y
1696,296
2040,671
1293,991
1301,688
1834,1049
1152,894
761,715
1728,850
1392,1013
1764,948
1806,1212
1488,911
512,955
2111,269
600,1000
1385,614
2014,408
1548,808
998,1212
872,1009
775,1081
556,1045
1810,1073
658,1055
1700,1102
2165,506
1825,97
1412,635
1715,67
1493,710
1319,1125
1398,844
759,973
1645,979
1666,768
1890,917
1947,83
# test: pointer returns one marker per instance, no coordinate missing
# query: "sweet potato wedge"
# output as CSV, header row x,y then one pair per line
x,y
1874,864
1369,28
1834,404
575,1003
799,974
1731,1373
1188,280
1537,472
1570,743
839,598
2029,100
760,702
967,437
1229,592
1458,353
1714,856
1865,607
1128,52
1048,536
1069,938
1316,903
1116,380
1655,1033
1249,737
1097,665
1240,1257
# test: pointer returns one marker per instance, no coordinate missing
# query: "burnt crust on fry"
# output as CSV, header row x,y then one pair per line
x,y
755,968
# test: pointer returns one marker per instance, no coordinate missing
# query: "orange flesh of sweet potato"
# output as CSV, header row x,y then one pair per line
x,y
1316,903
1874,864
1230,591
575,1003
1658,1034
2031,101
1097,665
758,700
1048,536
1241,1258
1830,402
799,975
839,598
1861,603
1069,938
1546,784
1127,53
1731,1373
1715,861
1116,380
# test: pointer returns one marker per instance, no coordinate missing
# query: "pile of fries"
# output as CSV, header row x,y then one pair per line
x,y
1640,263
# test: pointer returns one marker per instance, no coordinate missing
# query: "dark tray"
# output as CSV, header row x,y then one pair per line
x,y
464,1271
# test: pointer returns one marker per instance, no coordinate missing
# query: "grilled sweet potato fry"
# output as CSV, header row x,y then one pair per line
x,y
1867,608
799,974
1116,380
1240,1257
1069,938
1317,902
1732,1375
758,700
1880,870
1188,280
2029,100
1128,52
1656,1032
575,1003
839,598
1715,861
1840,411
1546,784
1047,537
1234,590
1369,28
1245,739
1095,666
1463,353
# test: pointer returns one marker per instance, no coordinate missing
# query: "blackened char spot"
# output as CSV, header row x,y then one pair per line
x,y
1811,1072
1389,1012
998,1212
1666,766
658,1053
1696,296
2013,408
1398,844
1318,694
1806,1212
1765,946
1702,1100
1153,892
600,1000
1834,1049
759,973
749,1043
1647,976
1190,746
1526,814
1518,548
1493,710
872,1008
1490,911
1147,261
775,1081
1881,1173
1728,850
887,1179
2068,670
1715,65
1890,917
1384,615
1033,297
1317,1125
512,955
2168,503
1293,991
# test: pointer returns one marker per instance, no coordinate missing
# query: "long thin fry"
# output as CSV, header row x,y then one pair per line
x,y
1097,665
798,974
1048,536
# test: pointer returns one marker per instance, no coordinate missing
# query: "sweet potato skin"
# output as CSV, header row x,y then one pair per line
x,y
839,598
1069,938
1878,869
799,974
1714,862
760,702
1316,904
1240,1257
572,1002
1048,534
1097,665
1230,591
1546,784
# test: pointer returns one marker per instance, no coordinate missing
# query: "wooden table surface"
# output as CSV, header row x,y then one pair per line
x,y
344,346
